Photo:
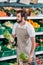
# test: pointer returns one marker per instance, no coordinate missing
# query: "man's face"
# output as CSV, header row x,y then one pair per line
x,y
19,18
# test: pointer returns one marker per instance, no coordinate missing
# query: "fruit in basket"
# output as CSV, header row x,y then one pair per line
x,y
34,24
2,14
8,24
8,36
23,57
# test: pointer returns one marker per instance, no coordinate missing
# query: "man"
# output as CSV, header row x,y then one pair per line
x,y
25,36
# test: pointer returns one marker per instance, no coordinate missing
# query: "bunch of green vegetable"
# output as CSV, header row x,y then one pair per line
x,y
23,57
8,36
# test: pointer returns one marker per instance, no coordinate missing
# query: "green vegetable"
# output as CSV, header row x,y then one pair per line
x,y
23,56
8,36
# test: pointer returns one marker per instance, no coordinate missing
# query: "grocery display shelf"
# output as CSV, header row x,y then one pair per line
x,y
15,56
8,18
39,33
38,52
8,58
14,18
35,17
1,36
8,4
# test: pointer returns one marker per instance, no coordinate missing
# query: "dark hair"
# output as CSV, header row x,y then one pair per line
x,y
23,14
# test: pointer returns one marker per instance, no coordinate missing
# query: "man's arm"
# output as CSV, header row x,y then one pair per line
x,y
13,30
13,36
33,46
31,33
32,49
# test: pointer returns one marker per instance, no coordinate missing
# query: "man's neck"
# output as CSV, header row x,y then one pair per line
x,y
22,23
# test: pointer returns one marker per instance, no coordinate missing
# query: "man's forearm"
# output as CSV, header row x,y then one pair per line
x,y
32,49
33,46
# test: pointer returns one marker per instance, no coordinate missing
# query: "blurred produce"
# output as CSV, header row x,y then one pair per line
x,y
11,11
8,24
23,57
3,14
38,60
34,24
7,11
8,36
37,44
11,46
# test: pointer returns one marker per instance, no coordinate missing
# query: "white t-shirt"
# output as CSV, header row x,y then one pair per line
x,y
30,29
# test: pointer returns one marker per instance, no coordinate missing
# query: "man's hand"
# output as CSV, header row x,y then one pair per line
x,y
30,58
10,42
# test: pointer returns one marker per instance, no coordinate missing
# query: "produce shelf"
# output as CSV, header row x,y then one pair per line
x,y
39,52
15,56
39,33
34,17
18,5
8,58
14,18
1,36
7,18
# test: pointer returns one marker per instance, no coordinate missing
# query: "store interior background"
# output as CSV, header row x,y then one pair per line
x,y
7,20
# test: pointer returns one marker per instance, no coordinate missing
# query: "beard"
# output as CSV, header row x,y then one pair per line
x,y
19,21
